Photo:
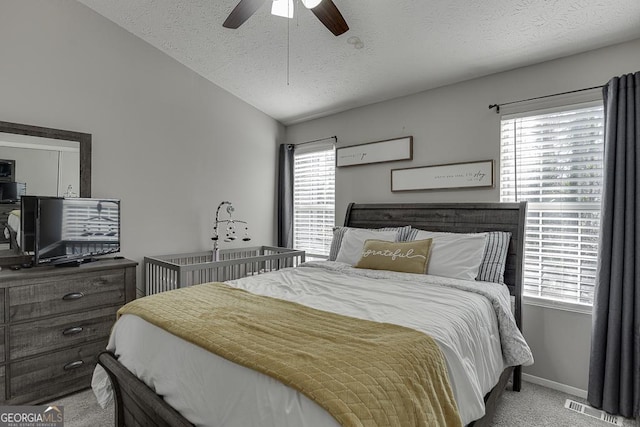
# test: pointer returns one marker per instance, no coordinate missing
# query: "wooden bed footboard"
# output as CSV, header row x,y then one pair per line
x,y
138,405
135,403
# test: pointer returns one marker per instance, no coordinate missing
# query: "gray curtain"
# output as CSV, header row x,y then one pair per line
x,y
285,196
614,371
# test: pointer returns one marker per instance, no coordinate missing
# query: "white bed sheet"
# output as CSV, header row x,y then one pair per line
x,y
14,222
209,390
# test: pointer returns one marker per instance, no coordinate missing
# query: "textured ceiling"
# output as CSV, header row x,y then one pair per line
x,y
294,70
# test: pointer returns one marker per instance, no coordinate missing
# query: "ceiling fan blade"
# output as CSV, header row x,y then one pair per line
x,y
242,12
327,12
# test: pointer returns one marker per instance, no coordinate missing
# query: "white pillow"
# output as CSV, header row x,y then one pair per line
x,y
455,255
338,233
353,242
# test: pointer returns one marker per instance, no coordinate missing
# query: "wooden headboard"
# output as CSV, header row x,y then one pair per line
x,y
456,218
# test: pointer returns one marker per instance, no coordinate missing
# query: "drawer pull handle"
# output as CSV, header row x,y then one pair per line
x,y
72,331
73,365
73,296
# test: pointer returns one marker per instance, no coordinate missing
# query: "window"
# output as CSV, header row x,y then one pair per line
x,y
553,160
314,199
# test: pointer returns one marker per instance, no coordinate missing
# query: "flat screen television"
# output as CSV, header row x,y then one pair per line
x,y
62,230
7,170
10,192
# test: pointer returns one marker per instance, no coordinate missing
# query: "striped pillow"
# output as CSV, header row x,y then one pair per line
x,y
338,234
495,257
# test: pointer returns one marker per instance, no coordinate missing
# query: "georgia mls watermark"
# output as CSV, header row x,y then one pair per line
x,y
32,416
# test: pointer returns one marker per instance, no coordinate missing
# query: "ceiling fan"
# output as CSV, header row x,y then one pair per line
x,y
325,10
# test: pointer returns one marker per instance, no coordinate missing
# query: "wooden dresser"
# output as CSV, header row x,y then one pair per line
x,y
55,321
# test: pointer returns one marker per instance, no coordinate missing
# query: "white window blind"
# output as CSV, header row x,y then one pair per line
x,y
554,161
314,198
87,219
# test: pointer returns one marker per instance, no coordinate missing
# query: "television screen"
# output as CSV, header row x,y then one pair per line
x,y
12,191
73,229
7,170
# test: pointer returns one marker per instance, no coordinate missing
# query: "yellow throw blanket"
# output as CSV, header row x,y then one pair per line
x,y
363,373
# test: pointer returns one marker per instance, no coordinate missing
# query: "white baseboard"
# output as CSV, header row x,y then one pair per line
x,y
555,385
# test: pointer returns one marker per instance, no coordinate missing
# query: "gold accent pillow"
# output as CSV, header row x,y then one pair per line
x,y
406,257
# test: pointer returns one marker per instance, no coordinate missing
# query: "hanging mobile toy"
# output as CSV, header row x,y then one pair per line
x,y
230,229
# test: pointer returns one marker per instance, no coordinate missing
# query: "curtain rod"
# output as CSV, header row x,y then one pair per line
x,y
497,106
317,140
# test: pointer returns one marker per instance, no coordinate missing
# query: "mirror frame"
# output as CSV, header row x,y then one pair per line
x,y
83,138
85,166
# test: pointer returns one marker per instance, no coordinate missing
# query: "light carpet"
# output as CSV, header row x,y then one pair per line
x,y
534,406
537,406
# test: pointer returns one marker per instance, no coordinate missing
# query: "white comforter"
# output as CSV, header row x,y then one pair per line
x,y
14,222
470,321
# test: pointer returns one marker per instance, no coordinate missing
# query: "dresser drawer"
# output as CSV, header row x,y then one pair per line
x,y
65,294
54,373
56,333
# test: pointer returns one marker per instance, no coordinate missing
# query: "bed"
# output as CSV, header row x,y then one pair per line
x,y
12,229
138,404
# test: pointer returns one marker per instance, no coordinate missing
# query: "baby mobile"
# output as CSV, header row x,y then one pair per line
x,y
230,230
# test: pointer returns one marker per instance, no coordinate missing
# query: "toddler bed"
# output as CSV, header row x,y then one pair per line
x,y
474,365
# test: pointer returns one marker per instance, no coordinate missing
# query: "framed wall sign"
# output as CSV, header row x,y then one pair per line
x,y
389,150
438,177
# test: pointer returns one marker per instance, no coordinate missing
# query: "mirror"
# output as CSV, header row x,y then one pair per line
x,y
38,161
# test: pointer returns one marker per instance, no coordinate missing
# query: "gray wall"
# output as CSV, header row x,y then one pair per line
x,y
453,124
167,142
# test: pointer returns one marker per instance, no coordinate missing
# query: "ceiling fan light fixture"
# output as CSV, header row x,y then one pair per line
x,y
325,10
282,8
310,4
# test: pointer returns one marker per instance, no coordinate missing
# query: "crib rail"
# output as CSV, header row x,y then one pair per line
x,y
166,272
